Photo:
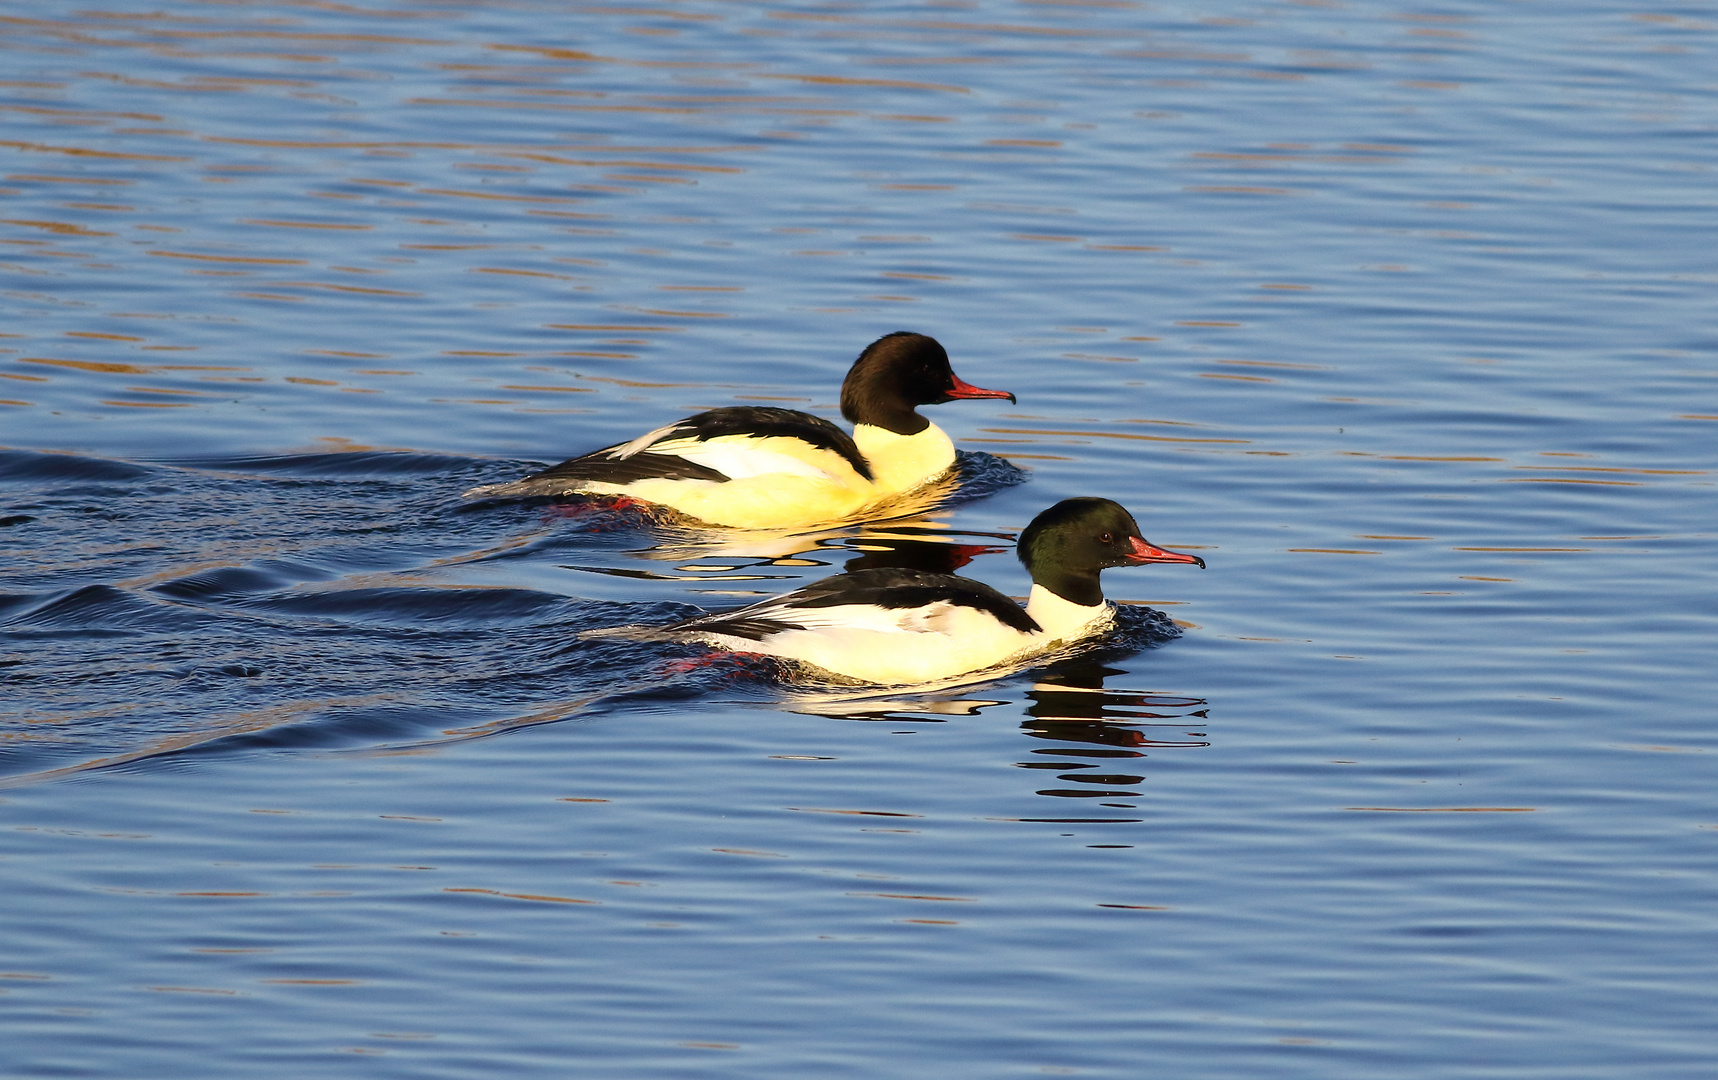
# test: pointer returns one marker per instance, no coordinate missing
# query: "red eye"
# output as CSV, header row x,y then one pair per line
x,y
1105,538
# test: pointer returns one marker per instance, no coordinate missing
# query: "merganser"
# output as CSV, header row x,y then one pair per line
x,y
757,467
898,626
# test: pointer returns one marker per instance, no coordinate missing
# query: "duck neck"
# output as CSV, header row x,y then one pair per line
x,y
1073,586
1064,618
891,411
902,462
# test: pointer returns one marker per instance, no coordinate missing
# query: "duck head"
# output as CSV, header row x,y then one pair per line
x,y
897,373
1068,545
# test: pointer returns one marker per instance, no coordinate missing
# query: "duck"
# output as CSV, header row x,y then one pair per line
x,y
760,467
898,626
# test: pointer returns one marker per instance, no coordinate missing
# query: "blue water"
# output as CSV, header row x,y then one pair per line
x,y
1400,318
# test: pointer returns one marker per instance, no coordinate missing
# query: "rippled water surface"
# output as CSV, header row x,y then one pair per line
x,y
1401,317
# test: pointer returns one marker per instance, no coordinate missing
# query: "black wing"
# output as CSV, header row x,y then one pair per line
x,y
599,466
609,466
767,422
890,588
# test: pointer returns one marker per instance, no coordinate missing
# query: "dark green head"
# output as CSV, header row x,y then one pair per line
x,y
1068,545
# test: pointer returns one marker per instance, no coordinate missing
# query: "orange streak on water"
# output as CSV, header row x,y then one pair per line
x,y
367,291
306,224
525,896
88,365
898,84
59,227
225,258
1109,435
78,151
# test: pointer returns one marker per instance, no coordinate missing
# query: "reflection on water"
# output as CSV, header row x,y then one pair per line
x,y
1106,732
1071,703
912,553
1117,728
904,545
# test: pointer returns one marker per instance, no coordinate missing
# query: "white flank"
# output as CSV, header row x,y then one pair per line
x,y
890,645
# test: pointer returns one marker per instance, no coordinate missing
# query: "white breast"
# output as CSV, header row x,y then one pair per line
x,y
1065,621
903,462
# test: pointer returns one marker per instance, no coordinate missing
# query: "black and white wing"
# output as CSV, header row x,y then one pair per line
x,y
717,446
890,599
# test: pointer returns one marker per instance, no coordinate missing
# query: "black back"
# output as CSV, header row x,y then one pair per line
x,y
890,588
640,466
760,421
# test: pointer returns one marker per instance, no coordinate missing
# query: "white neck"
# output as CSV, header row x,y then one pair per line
x,y
1065,620
904,462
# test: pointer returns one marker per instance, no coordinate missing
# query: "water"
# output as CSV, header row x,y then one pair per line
x,y
1400,318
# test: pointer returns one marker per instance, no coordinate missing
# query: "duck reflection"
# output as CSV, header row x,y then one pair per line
x,y
1073,705
921,543
907,552
924,709
1114,730
1101,735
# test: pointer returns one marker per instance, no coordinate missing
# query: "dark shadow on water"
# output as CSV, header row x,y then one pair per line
x,y
353,463
31,466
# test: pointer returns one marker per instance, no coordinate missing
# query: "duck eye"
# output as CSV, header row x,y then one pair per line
x,y
1105,538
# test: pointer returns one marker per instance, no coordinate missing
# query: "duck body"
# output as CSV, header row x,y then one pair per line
x,y
741,466
894,626
757,467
